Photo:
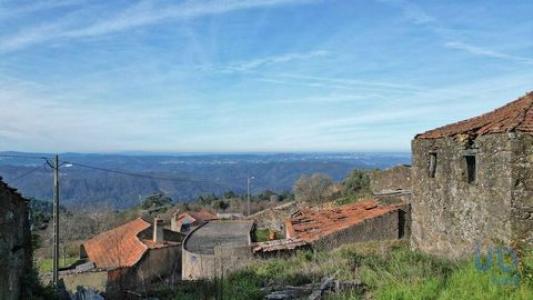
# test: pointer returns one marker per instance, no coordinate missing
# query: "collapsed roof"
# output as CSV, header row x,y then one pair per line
x,y
310,225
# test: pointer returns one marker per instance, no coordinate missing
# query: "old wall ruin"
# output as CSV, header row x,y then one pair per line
x,y
390,226
15,244
522,188
164,262
451,215
395,178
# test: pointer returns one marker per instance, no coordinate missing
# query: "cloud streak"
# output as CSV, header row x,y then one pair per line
x,y
479,51
249,65
418,16
411,11
144,13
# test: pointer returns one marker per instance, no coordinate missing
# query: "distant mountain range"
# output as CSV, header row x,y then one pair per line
x,y
87,179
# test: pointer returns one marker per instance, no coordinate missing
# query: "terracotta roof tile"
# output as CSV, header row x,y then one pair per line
x,y
202,215
514,116
310,225
118,247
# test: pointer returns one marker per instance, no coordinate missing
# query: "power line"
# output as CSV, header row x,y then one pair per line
x,y
29,172
139,175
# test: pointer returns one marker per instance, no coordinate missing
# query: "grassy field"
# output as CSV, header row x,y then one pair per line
x,y
387,270
46,264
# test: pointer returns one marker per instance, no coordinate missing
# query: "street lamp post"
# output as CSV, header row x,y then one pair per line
x,y
249,196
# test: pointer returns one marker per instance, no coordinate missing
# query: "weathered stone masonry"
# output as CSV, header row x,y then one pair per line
x,y
453,212
15,244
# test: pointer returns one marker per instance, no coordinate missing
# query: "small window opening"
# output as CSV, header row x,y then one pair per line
x,y
432,164
470,168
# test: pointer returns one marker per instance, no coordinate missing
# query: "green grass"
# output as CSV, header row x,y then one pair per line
x,y
45,265
263,235
389,271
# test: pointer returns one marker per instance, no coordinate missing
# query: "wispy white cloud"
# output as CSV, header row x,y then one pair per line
x,y
144,13
411,11
371,89
354,82
480,51
252,64
20,8
417,15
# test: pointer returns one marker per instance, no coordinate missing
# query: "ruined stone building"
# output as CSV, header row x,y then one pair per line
x,y
129,257
15,243
356,222
473,182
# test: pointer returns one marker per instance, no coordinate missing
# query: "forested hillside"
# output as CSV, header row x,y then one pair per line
x,y
182,177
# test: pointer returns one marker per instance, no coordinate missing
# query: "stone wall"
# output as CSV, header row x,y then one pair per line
x,y
274,218
156,264
225,256
391,226
396,178
15,244
522,189
197,266
451,215
96,280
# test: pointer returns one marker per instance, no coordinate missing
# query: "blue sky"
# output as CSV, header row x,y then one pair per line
x,y
253,75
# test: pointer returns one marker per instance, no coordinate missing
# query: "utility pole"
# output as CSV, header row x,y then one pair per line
x,y
55,276
249,181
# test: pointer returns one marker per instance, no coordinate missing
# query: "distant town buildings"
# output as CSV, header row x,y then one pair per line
x,y
473,182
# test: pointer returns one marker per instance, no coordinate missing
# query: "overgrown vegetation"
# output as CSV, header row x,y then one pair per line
x,y
265,234
315,188
355,186
388,270
46,264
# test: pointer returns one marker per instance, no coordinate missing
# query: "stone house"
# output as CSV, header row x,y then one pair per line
x,y
15,243
129,257
473,182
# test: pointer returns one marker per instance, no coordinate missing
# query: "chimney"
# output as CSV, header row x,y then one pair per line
x,y
158,231
174,221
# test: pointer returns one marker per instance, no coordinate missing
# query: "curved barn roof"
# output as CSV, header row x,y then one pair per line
x,y
118,247
514,116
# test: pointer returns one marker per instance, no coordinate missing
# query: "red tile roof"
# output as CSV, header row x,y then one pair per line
x,y
118,247
202,215
514,116
310,225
